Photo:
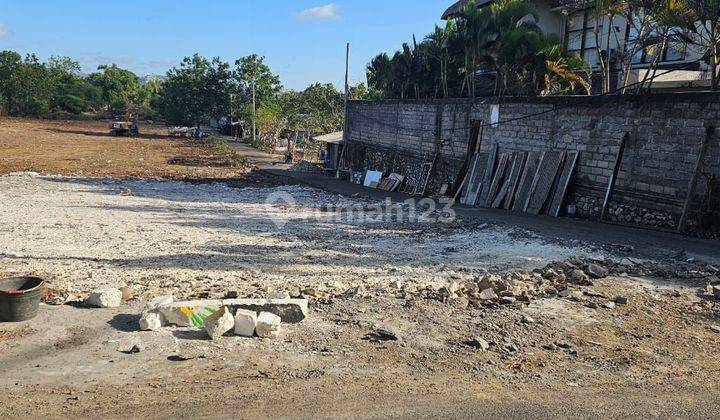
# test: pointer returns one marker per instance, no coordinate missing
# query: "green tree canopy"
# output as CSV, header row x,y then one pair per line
x,y
252,69
196,90
119,87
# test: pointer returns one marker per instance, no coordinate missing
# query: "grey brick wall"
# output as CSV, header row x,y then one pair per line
x,y
665,136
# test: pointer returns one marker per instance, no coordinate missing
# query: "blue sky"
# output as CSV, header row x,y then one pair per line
x,y
303,40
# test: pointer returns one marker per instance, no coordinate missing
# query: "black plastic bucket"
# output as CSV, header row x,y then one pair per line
x,y
19,298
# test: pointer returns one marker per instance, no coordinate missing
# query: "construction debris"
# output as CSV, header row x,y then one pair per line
x,y
219,323
245,323
105,297
189,313
291,311
268,325
219,317
151,319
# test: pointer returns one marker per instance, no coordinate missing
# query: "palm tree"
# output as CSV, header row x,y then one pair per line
x,y
403,68
477,34
379,74
514,34
437,46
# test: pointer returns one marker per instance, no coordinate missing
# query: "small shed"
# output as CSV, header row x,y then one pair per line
x,y
332,152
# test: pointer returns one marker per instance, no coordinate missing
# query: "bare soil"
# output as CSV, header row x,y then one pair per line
x,y
87,149
654,357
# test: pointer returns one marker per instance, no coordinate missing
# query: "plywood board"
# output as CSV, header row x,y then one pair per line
x,y
563,183
614,175
497,179
517,171
505,186
424,178
526,182
488,176
474,185
544,180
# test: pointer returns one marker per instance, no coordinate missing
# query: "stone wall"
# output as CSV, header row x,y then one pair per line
x,y
665,133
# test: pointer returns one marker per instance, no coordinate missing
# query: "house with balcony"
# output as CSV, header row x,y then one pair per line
x,y
580,33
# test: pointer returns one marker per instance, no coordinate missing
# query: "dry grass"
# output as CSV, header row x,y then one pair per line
x,y
82,148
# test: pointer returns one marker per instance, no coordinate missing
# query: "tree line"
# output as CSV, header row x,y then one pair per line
x,y
503,41
190,94
57,88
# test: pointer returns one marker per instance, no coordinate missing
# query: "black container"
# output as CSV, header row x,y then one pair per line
x,y
19,298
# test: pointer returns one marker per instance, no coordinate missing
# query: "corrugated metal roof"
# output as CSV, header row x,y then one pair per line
x,y
336,137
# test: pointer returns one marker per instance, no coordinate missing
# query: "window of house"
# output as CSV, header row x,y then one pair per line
x,y
674,50
581,39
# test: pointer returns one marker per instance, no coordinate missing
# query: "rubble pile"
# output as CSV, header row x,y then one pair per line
x,y
242,317
562,279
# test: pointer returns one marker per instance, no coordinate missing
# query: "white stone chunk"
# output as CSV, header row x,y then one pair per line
x,y
219,323
268,325
105,298
245,322
151,321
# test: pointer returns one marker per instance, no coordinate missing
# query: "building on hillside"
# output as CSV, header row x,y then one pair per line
x,y
576,27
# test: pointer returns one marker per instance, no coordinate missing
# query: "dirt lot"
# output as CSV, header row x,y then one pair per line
x,y
79,148
557,347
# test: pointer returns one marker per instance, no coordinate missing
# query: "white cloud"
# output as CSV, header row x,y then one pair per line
x,y
3,30
327,12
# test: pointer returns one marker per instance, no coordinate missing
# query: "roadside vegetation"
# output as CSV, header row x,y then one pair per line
x,y
500,41
193,92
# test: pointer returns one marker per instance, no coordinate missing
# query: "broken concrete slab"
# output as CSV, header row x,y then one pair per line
x,y
219,323
190,313
245,322
151,321
268,325
291,311
106,297
150,318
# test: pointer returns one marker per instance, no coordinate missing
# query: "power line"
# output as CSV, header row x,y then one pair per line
x,y
548,111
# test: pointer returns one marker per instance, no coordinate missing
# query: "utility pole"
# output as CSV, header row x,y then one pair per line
x,y
345,110
254,111
347,86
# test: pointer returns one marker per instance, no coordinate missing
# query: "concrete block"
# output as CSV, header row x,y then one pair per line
x,y
268,325
151,321
190,313
219,323
150,318
106,297
245,322
291,311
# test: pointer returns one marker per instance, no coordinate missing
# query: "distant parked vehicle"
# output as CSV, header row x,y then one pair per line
x,y
124,126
